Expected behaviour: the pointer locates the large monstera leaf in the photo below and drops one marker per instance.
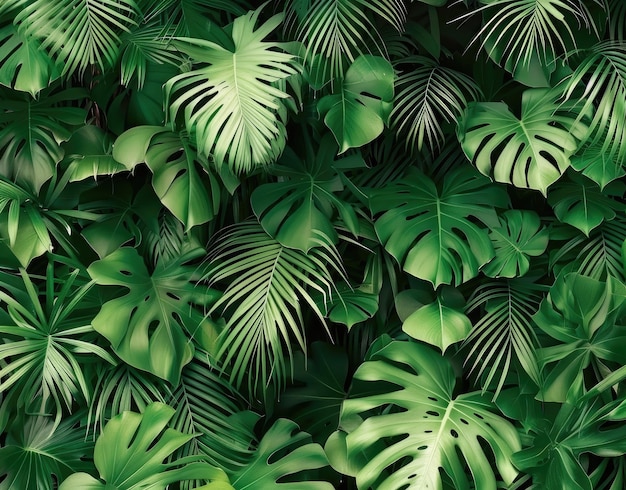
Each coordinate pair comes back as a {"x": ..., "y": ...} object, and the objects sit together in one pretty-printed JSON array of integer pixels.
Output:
[
  {"x": 297, "y": 210},
  {"x": 130, "y": 454},
  {"x": 180, "y": 178},
  {"x": 230, "y": 102},
  {"x": 432, "y": 232},
  {"x": 150, "y": 326},
  {"x": 30, "y": 134},
  {"x": 403, "y": 396},
  {"x": 531, "y": 152},
  {"x": 284, "y": 452}
]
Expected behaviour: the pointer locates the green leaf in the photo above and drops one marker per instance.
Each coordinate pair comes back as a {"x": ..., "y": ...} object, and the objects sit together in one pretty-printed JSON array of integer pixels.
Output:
[
  {"x": 37, "y": 453},
  {"x": 129, "y": 455},
  {"x": 24, "y": 65},
  {"x": 518, "y": 237},
  {"x": 236, "y": 120},
  {"x": 598, "y": 165},
  {"x": 580, "y": 202},
  {"x": 531, "y": 152},
  {"x": 423, "y": 425},
  {"x": 89, "y": 154},
  {"x": 296, "y": 211},
  {"x": 27, "y": 243},
  {"x": 441, "y": 322},
  {"x": 429, "y": 230},
  {"x": 359, "y": 112},
  {"x": 283, "y": 452},
  {"x": 151, "y": 325}
]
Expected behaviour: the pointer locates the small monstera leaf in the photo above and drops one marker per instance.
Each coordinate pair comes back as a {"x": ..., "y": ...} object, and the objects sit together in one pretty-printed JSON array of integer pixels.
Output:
[
  {"x": 432, "y": 232},
  {"x": 151, "y": 326},
  {"x": 130, "y": 454},
  {"x": 24, "y": 66},
  {"x": 180, "y": 178},
  {"x": 600, "y": 166},
  {"x": 360, "y": 110},
  {"x": 283, "y": 452},
  {"x": 31, "y": 132},
  {"x": 437, "y": 319},
  {"x": 580, "y": 202},
  {"x": 89, "y": 154},
  {"x": 297, "y": 210},
  {"x": 531, "y": 152},
  {"x": 518, "y": 237},
  {"x": 37, "y": 452},
  {"x": 403, "y": 396},
  {"x": 236, "y": 119},
  {"x": 581, "y": 313}
]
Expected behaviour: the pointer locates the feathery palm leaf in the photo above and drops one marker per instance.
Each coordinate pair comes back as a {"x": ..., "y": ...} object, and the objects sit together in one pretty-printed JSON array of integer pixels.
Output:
[
  {"x": 335, "y": 32},
  {"x": 428, "y": 96},
  {"x": 230, "y": 102},
  {"x": 617, "y": 19},
  {"x": 79, "y": 33},
  {"x": 268, "y": 285},
  {"x": 603, "y": 73}
]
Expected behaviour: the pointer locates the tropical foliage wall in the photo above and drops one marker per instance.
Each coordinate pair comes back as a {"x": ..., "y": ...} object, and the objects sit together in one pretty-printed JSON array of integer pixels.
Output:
[{"x": 312, "y": 244}]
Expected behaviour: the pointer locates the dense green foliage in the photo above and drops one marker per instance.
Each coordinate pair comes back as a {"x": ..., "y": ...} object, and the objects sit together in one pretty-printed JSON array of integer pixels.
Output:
[{"x": 312, "y": 244}]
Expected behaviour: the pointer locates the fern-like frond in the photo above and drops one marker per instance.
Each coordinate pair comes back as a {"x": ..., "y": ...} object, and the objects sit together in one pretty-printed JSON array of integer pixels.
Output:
[
  {"x": 603, "y": 75},
  {"x": 267, "y": 286},
  {"x": 427, "y": 97},
  {"x": 504, "y": 333},
  {"x": 336, "y": 32},
  {"x": 79, "y": 33}
]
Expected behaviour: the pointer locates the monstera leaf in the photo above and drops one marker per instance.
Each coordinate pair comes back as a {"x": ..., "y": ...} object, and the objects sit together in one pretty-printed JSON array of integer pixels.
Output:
[
  {"x": 582, "y": 314},
  {"x": 531, "y": 152},
  {"x": 518, "y": 237},
  {"x": 295, "y": 210},
  {"x": 24, "y": 65},
  {"x": 180, "y": 178},
  {"x": 598, "y": 165},
  {"x": 30, "y": 134},
  {"x": 580, "y": 202},
  {"x": 150, "y": 326},
  {"x": 236, "y": 120},
  {"x": 432, "y": 232},
  {"x": 130, "y": 454},
  {"x": 37, "y": 452},
  {"x": 89, "y": 154},
  {"x": 438, "y": 319},
  {"x": 284, "y": 452},
  {"x": 402, "y": 395},
  {"x": 360, "y": 110}
]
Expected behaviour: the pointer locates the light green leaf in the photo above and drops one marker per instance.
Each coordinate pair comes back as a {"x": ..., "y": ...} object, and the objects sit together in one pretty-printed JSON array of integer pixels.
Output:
[
  {"x": 404, "y": 395},
  {"x": 359, "y": 112},
  {"x": 429, "y": 231},
  {"x": 441, "y": 322},
  {"x": 129, "y": 455},
  {"x": 236, "y": 119},
  {"x": 151, "y": 325},
  {"x": 518, "y": 237},
  {"x": 531, "y": 152}
]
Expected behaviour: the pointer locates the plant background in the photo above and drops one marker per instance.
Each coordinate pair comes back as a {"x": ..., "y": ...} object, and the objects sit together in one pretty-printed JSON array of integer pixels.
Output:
[{"x": 312, "y": 244}]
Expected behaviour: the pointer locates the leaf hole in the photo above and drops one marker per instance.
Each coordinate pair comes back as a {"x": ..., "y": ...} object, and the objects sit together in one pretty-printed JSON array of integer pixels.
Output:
[
  {"x": 421, "y": 448},
  {"x": 454, "y": 433},
  {"x": 433, "y": 413}
]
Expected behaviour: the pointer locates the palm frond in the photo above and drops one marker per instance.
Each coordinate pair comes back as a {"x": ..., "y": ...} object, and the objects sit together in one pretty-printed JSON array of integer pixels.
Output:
[
  {"x": 427, "y": 97},
  {"x": 617, "y": 19},
  {"x": 267, "y": 286},
  {"x": 336, "y": 32},
  {"x": 79, "y": 33}
]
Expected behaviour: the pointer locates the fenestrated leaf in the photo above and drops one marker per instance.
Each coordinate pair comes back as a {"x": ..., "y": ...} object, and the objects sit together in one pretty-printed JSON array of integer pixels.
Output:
[
  {"x": 358, "y": 113},
  {"x": 150, "y": 326},
  {"x": 236, "y": 119},
  {"x": 414, "y": 412},
  {"x": 580, "y": 202},
  {"x": 518, "y": 237},
  {"x": 296, "y": 211},
  {"x": 284, "y": 451},
  {"x": 89, "y": 152},
  {"x": 597, "y": 164},
  {"x": 438, "y": 320},
  {"x": 531, "y": 152},
  {"x": 24, "y": 66},
  {"x": 130, "y": 454},
  {"x": 30, "y": 134},
  {"x": 429, "y": 231}
]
